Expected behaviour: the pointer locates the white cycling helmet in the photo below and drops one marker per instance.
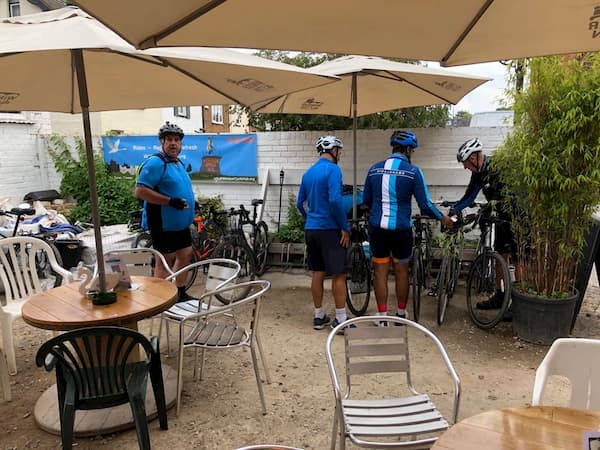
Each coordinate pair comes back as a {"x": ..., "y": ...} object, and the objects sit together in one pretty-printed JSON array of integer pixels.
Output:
[
  {"x": 327, "y": 143},
  {"x": 468, "y": 148}
]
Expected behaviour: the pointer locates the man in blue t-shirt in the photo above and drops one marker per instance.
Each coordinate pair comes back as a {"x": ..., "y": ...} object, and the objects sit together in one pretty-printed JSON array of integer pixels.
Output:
[
  {"x": 166, "y": 189},
  {"x": 327, "y": 230},
  {"x": 389, "y": 188}
]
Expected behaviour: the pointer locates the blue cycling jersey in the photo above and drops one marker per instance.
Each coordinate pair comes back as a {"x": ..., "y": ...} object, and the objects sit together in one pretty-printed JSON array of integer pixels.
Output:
[
  {"x": 389, "y": 188},
  {"x": 321, "y": 189},
  {"x": 172, "y": 181}
]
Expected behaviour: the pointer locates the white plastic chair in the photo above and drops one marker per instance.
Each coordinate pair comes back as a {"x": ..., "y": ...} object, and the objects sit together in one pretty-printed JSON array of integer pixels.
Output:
[
  {"x": 217, "y": 272},
  {"x": 387, "y": 419},
  {"x": 4, "y": 380},
  {"x": 579, "y": 361},
  {"x": 226, "y": 327},
  {"x": 20, "y": 278}
]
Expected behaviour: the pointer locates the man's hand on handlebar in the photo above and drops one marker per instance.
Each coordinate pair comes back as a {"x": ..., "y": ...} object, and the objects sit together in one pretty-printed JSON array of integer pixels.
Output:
[{"x": 447, "y": 222}]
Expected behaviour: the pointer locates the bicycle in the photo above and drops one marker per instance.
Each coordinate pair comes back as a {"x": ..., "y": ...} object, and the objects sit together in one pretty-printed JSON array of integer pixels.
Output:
[
  {"x": 42, "y": 264},
  {"x": 489, "y": 272},
  {"x": 234, "y": 245},
  {"x": 420, "y": 263},
  {"x": 359, "y": 275},
  {"x": 207, "y": 229},
  {"x": 258, "y": 236},
  {"x": 450, "y": 266}
]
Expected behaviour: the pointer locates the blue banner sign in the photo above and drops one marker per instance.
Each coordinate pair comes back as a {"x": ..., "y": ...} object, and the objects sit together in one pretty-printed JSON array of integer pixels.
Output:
[{"x": 212, "y": 158}]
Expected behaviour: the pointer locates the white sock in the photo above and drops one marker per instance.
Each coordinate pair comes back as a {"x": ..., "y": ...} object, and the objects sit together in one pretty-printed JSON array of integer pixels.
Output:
[
  {"x": 319, "y": 313},
  {"x": 401, "y": 312},
  {"x": 340, "y": 315},
  {"x": 384, "y": 313}
]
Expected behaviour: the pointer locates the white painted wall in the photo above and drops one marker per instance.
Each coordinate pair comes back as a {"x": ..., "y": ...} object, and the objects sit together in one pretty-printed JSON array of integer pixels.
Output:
[
  {"x": 25, "y": 165},
  {"x": 294, "y": 152}
]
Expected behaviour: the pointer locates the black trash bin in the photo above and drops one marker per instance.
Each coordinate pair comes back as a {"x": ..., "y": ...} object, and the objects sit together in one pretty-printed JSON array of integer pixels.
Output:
[
  {"x": 589, "y": 256},
  {"x": 70, "y": 251}
]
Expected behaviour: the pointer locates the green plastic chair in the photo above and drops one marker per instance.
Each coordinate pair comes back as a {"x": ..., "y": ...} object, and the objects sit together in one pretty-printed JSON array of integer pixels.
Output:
[{"x": 94, "y": 371}]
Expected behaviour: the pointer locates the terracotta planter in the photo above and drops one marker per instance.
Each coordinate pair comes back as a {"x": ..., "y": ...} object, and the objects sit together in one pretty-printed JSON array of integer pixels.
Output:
[{"x": 542, "y": 320}]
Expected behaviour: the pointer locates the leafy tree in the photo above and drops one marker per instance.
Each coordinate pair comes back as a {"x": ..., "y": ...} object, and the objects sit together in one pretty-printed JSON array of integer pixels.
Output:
[
  {"x": 418, "y": 117},
  {"x": 462, "y": 119},
  {"x": 115, "y": 195}
]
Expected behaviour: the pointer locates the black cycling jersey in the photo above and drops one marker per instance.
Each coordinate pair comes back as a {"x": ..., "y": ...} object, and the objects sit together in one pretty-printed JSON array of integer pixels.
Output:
[{"x": 485, "y": 180}]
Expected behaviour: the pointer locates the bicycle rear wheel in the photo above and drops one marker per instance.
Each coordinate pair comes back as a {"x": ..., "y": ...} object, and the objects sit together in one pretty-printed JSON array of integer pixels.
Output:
[
  {"x": 442, "y": 285},
  {"x": 244, "y": 256},
  {"x": 358, "y": 280},
  {"x": 47, "y": 275},
  {"x": 481, "y": 286},
  {"x": 261, "y": 244},
  {"x": 416, "y": 280},
  {"x": 142, "y": 240}
]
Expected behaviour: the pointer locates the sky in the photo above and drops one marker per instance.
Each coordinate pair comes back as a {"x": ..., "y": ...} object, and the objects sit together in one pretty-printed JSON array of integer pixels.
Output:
[{"x": 486, "y": 97}]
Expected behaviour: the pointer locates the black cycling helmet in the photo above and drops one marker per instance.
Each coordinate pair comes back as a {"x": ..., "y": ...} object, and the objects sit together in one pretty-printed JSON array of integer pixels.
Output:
[
  {"x": 404, "y": 138},
  {"x": 170, "y": 128}
]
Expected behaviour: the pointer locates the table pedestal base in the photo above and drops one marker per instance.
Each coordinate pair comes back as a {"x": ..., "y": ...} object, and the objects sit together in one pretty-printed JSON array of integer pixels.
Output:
[{"x": 101, "y": 421}]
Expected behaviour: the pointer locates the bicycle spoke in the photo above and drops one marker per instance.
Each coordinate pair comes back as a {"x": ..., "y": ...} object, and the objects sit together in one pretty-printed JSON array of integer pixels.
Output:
[{"x": 442, "y": 285}]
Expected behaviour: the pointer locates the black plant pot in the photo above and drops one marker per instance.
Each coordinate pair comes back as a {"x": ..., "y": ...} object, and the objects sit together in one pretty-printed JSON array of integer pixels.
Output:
[{"x": 542, "y": 320}]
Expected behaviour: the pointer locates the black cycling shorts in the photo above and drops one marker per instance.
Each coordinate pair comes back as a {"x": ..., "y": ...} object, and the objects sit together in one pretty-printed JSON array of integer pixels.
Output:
[
  {"x": 171, "y": 241},
  {"x": 397, "y": 243},
  {"x": 324, "y": 251}
]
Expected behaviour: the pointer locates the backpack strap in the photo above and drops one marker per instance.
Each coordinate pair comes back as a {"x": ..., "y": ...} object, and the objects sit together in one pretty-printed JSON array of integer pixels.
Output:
[{"x": 165, "y": 161}]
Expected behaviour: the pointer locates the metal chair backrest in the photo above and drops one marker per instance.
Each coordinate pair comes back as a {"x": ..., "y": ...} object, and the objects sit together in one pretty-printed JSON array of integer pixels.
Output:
[
  {"x": 139, "y": 261},
  {"x": 578, "y": 360}
]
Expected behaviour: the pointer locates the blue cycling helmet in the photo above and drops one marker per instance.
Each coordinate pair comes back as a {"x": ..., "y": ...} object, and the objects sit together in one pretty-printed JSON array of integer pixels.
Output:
[{"x": 404, "y": 138}]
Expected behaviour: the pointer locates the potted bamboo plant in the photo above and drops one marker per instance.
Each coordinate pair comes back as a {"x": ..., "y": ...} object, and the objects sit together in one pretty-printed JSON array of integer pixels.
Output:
[{"x": 551, "y": 166}]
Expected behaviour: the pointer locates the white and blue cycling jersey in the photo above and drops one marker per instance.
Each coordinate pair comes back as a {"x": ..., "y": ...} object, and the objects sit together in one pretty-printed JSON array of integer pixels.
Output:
[{"x": 389, "y": 188}]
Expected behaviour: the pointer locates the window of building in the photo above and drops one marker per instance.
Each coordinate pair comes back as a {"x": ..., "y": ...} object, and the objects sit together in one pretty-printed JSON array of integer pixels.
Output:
[
  {"x": 216, "y": 113},
  {"x": 182, "y": 111},
  {"x": 14, "y": 8}
]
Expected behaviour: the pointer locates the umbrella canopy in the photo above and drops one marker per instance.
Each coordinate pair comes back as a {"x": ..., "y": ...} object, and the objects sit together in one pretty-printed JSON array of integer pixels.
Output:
[
  {"x": 451, "y": 32},
  {"x": 370, "y": 84},
  {"x": 381, "y": 85},
  {"x": 66, "y": 61},
  {"x": 38, "y": 73}
]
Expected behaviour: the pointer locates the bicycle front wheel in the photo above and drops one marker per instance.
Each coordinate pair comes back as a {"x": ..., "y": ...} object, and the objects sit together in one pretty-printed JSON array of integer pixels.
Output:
[
  {"x": 358, "y": 280},
  {"x": 487, "y": 271},
  {"x": 442, "y": 286},
  {"x": 261, "y": 244},
  {"x": 244, "y": 256},
  {"x": 417, "y": 280}
]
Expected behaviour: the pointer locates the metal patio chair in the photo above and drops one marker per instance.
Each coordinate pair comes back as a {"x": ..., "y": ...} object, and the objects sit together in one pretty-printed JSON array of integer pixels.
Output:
[{"x": 388, "y": 419}]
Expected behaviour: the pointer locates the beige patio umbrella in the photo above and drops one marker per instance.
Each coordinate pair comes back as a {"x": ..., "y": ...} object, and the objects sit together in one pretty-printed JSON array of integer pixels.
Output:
[
  {"x": 452, "y": 32},
  {"x": 66, "y": 61},
  {"x": 370, "y": 84}
]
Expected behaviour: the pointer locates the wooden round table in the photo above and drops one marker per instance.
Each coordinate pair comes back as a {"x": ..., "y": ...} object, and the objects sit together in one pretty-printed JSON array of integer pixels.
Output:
[
  {"x": 64, "y": 308},
  {"x": 534, "y": 427}
]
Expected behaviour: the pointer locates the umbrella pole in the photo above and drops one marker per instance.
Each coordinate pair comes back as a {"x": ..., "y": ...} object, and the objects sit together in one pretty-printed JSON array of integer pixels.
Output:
[
  {"x": 354, "y": 127},
  {"x": 87, "y": 133}
]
